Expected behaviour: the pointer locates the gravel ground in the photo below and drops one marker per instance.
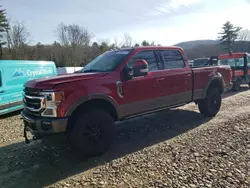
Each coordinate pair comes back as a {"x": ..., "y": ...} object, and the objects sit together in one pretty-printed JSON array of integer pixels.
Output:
[{"x": 176, "y": 148}]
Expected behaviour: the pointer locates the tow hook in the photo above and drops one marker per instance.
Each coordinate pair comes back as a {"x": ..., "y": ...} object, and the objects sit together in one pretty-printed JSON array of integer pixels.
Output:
[
  {"x": 37, "y": 137},
  {"x": 25, "y": 135}
]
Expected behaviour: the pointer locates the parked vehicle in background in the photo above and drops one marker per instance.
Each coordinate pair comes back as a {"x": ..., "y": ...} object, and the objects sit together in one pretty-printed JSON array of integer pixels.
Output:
[
  {"x": 240, "y": 64},
  {"x": 200, "y": 62},
  {"x": 13, "y": 75},
  {"x": 117, "y": 85},
  {"x": 213, "y": 61},
  {"x": 191, "y": 63}
]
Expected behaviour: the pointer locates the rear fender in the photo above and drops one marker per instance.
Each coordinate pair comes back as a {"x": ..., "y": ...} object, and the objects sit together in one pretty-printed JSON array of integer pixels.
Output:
[{"x": 218, "y": 81}]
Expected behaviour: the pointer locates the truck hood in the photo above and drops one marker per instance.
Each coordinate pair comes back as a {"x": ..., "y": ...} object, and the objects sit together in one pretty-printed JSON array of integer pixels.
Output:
[{"x": 50, "y": 82}]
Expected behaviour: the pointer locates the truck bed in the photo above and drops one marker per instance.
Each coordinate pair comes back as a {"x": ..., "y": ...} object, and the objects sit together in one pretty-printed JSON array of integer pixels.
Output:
[{"x": 202, "y": 75}]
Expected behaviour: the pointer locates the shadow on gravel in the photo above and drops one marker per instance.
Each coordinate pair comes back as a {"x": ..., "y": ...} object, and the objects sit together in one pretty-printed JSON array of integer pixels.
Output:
[
  {"x": 232, "y": 93},
  {"x": 10, "y": 114},
  {"x": 36, "y": 165}
]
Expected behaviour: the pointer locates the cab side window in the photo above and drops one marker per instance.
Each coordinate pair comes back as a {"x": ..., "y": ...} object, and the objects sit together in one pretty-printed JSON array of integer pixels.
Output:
[
  {"x": 172, "y": 59},
  {"x": 149, "y": 56}
]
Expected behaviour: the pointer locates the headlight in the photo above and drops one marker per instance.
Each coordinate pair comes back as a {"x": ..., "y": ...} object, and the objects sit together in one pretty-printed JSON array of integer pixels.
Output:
[
  {"x": 53, "y": 96},
  {"x": 52, "y": 100}
]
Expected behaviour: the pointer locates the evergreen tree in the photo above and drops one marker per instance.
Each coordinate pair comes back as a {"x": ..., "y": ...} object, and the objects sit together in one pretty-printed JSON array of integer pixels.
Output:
[
  {"x": 4, "y": 26},
  {"x": 145, "y": 43},
  {"x": 228, "y": 35},
  {"x": 137, "y": 45}
]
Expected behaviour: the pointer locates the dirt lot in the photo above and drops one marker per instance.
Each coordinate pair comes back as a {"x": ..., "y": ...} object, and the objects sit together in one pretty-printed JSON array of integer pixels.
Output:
[{"x": 176, "y": 148}]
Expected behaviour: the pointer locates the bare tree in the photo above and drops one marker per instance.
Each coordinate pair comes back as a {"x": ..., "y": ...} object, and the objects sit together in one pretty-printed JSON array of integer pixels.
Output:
[
  {"x": 75, "y": 41},
  {"x": 73, "y": 35},
  {"x": 17, "y": 38},
  {"x": 117, "y": 43},
  {"x": 244, "y": 35},
  {"x": 127, "y": 40}
]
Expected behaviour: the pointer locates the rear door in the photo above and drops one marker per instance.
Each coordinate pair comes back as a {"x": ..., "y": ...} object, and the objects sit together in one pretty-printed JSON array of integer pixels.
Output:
[{"x": 177, "y": 84}]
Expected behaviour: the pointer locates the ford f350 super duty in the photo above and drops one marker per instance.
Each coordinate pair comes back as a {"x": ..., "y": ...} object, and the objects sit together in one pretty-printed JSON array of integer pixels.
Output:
[{"x": 116, "y": 85}]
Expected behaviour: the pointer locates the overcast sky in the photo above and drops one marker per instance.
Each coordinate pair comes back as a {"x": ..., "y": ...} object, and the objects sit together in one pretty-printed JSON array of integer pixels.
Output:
[{"x": 166, "y": 22}]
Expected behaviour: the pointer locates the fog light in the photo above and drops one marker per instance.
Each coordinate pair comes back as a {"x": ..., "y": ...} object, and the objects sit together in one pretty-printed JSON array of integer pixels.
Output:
[{"x": 49, "y": 112}]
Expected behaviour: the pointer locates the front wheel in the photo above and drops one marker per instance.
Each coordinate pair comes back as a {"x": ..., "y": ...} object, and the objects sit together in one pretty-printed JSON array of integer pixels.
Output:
[
  {"x": 92, "y": 133},
  {"x": 210, "y": 106}
]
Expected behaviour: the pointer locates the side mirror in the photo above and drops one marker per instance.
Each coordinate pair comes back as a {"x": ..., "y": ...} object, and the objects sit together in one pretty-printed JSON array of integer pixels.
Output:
[{"x": 140, "y": 68}]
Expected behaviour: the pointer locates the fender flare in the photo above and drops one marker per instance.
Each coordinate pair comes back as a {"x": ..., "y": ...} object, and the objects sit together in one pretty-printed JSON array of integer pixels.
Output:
[
  {"x": 217, "y": 78},
  {"x": 85, "y": 99}
]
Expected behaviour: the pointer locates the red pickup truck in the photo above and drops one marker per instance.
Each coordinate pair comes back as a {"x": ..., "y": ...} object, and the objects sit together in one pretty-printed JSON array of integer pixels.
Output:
[{"x": 116, "y": 85}]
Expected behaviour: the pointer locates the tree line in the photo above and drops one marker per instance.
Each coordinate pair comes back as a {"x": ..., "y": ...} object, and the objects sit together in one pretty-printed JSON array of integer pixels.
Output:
[{"x": 75, "y": 46}]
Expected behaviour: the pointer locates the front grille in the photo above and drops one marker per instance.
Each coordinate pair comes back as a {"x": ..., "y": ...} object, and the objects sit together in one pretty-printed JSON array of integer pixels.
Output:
[
  {"x": 32, "y": 103},
  {"x": 31, "y": 91},
  {"x": 32, "y": 100}
]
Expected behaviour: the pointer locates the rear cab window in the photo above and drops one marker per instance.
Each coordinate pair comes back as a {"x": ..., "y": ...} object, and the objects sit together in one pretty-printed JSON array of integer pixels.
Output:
[{"x": 172, "y": 59}]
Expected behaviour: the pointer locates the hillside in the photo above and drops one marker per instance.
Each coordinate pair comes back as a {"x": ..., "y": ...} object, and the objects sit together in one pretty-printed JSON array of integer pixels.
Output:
[
  {"x": 196, "y": 43},
  {"x": 207, "y": 48}
]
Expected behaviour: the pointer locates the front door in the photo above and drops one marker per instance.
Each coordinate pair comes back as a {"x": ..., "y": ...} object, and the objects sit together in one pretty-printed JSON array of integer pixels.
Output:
[{"x": 142, "y": 94}]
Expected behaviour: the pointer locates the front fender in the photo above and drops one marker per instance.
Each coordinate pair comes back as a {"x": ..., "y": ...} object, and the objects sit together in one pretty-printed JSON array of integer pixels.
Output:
[{"x": 85, "y": 99}]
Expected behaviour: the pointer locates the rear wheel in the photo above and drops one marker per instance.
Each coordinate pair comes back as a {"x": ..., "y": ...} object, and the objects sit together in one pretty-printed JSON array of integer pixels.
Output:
[
  {"x": 210, "y": 106},
  {"x": 92, "y": 133}
]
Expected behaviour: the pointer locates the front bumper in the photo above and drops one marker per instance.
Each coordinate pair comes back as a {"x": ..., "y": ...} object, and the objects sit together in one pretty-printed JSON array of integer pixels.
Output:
[{"x": 41, "y": 126}]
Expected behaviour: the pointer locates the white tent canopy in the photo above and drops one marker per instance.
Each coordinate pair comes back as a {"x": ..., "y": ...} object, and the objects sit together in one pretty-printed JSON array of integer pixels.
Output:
[{"x": 67, "y": 70}]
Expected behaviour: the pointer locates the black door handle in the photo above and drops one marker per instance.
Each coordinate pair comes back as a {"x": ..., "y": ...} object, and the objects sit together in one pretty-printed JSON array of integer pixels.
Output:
[{"x": 2, "y": 91}]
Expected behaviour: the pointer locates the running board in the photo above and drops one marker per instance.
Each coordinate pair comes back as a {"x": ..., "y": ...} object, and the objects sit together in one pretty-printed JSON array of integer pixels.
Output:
[{"x": 153, "y": 111}]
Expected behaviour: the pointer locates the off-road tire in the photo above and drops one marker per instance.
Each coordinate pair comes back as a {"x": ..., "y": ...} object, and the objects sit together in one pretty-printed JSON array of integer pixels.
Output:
[
  {"x": 210, "y": 106},
  {"x": 92, "y": 134}
]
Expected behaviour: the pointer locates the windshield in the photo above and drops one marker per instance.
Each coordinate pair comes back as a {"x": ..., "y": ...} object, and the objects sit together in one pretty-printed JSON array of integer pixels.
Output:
[
  {"x": 233, "y": 62},
  {"x": 107, "y": 61}
]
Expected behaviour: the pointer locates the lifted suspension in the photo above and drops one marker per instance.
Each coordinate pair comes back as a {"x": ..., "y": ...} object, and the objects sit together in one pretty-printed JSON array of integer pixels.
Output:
[
  {"x": 25, "y": 135},
  {"x": 37, "y": 137},
  {"x": 27, "y": 141}
]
